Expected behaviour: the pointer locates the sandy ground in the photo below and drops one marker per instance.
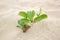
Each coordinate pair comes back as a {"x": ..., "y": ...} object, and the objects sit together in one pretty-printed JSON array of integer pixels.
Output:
[{"x": 48, "y": 29}]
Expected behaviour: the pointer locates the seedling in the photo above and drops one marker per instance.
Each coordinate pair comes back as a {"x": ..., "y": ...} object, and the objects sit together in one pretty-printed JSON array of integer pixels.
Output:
[{"x": 29, "y": 18}]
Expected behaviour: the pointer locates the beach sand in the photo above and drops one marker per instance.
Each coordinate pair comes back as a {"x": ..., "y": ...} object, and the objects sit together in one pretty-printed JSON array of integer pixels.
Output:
[{"x": 48, "y": 29}]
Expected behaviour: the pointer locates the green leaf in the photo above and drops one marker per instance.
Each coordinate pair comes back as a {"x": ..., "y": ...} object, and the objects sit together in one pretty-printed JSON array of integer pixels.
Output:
[
  {"x": 22, "y": 22},
  {"x": 25, "y": 20},
  {"x": 30, "y": 14},
  {"x": 41, "y": 17},
  {"x": 18, "y": 26},
  {"x": 23, "y": 14}
]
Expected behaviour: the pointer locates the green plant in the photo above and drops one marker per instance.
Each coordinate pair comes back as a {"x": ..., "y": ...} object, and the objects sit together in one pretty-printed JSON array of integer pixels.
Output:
[{"x": 30, "y": 17}]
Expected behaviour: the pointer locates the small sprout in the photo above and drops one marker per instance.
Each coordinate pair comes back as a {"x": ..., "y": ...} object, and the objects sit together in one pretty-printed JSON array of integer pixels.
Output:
[
  {"x": 29, "y": 18},
  {"x": 40, "y": 12}
]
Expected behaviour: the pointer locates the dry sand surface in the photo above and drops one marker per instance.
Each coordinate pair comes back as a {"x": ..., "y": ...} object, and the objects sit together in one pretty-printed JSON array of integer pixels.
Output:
[{"x": 48, "y": 29}]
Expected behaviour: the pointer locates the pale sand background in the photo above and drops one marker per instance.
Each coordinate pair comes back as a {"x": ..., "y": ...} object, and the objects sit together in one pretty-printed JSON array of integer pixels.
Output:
[{"x": 48, "y": 29}]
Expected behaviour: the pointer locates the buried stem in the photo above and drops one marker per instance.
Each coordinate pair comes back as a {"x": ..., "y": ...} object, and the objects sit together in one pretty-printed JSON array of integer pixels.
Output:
[{"x": 26, "y": 27}]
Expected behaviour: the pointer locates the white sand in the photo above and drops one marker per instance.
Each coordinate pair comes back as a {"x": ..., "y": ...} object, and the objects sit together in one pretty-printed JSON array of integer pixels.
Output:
[{"x": 48, "y": 29}]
